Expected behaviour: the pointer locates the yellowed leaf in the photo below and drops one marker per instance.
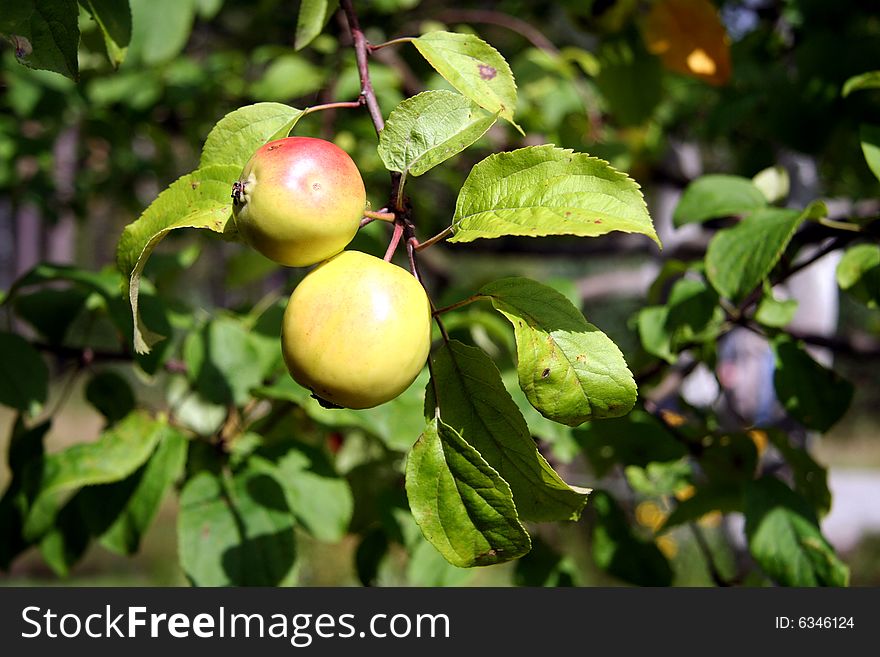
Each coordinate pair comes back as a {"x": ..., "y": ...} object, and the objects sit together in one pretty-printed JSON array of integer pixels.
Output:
[{"x": 689, "y": 38}]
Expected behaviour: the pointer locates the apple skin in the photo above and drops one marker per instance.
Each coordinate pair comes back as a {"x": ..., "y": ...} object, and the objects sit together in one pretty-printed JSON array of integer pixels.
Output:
[
  {"x": 357, "y": 330},
  {"x": 299, "y": 200}
]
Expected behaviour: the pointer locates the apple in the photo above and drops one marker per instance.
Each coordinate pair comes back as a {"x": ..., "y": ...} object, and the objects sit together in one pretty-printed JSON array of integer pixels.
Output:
[
  {"x": 299, "y": 200},
  {"x": 356, "y": 330}
]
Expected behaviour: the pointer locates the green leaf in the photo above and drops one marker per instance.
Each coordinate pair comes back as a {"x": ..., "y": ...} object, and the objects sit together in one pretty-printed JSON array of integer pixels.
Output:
[
  {"x": 118, "y": 453},
  {"x": 724, "y": 498},
  {"x": 24, "y": 377},
  {"x": 462, "y": 505},
  {"x": 773, "y": 312},
  {"x": 717, "y": 195},
  {"x": 739, "y": 258},
  {"x": 160, "y": 29},
  {"x": 657, "y": 479},
  {"x": 618, "y": 552},
  {"x": 224, "y": 361},
  {"x": 320, "y": 499},
  {"x": 25, "y": 449},
  {"x": 570, "y": 371},
  {"x": 544, "y": 190},
  {"x": 44, "y": 34},
  {"x": 235, "y": 137},
  {"x": 114, "y": 20},
  {"x": 150, "y": 484},
  {"x": 474, "y": 68},
  {"x": 396, "y": 423},
  {"x": 288, "y": 76},
  {"x": 811, "y": 393},
  {"x": 313, "y": 16},
  {"x": 429, "y": 128},
  {"x": 543, "y": 566},
  {"x": 691, "y": 315},
  {"x": 869, "y": 80},
  {"x": 51, "y": 311},
  {"x": 110, "y": 393},
  {"x": 773, "y": 182},
  {"x": 637, "y": 439},
  {"x": 200, "y": 199},
  {"x": 67, "y": 540},
  {"x": 870, "y": 138},
  {"x": 474, "y": 402},
  {"x": 630, "y": 80},
  {"x": 427, "y": 567},
  {"x": 784, "y": 537},
  {"x": 235, "y": 530},
  {"x": 810, "y": 478},
  {"x": 858, "y": 273}
]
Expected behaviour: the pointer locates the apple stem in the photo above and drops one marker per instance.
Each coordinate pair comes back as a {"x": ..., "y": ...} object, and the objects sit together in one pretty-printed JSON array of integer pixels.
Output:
[
  {"x": 395, "y": 240},
  {"x": 411, "y": 254}
]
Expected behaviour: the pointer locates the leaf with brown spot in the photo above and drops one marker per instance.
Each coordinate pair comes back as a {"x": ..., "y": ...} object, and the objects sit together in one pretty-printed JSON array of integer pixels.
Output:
[
  {"x": 554, "y": 371},
  {"x": 474, "y": 68}
]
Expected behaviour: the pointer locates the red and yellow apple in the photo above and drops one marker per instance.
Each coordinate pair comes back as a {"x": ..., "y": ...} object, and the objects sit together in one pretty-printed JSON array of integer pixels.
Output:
[{"x": 299, "y": 200}]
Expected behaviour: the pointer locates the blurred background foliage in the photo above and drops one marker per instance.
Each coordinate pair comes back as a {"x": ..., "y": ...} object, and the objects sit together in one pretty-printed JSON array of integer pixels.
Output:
[{"x": 80, "y": 160}]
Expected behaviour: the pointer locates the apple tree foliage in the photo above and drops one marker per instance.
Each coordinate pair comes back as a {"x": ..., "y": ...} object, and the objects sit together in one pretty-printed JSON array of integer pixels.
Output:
[{"x": 532, "y": 417}]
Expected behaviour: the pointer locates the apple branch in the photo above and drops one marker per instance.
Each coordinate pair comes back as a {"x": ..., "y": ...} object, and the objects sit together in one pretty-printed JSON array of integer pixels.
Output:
[{"x": 360, "y": 51}]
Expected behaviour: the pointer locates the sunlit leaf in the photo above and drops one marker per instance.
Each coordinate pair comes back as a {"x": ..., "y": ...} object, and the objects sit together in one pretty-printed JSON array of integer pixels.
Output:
[
  {"x": 201, "y": 199},
  {"x": 474, "y": 402},
  {"x": 429, "y": 128},
  {"x": 473, "y": 67},
  {"x": 570, "y": 371},
  {"x": 717, "y": 195},
  {"x": 544, "y": 190},
  {"x": 464, "y": 508},
  {"x": 237, "y": 135}
]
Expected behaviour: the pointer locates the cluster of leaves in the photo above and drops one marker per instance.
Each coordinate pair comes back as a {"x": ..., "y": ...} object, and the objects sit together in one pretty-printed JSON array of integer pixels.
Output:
[{"x": 256, "y": 459}]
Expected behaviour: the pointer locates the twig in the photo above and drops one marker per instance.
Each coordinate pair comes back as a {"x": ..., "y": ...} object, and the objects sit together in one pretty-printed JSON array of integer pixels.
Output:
[{"x": 360, "y": 50}]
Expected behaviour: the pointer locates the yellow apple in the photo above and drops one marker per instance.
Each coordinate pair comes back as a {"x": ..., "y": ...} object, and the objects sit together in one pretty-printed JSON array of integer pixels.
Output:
[
  {"x": 357, "y": 330},
  {"x": 299, "y": 200}
]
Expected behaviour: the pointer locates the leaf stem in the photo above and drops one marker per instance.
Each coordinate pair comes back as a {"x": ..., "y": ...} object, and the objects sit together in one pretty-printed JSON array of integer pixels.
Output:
[
  {"x": 457, "y": 305},
  {"x": 378, "y": 46},
  {"x": 338, "y": 105},
  {"x": 840, "y": 225},
  {"x": 446, "y": 232}
]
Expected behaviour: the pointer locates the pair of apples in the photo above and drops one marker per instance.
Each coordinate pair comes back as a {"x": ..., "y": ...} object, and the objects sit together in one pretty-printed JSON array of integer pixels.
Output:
[{"x": 357, "y": 329}]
